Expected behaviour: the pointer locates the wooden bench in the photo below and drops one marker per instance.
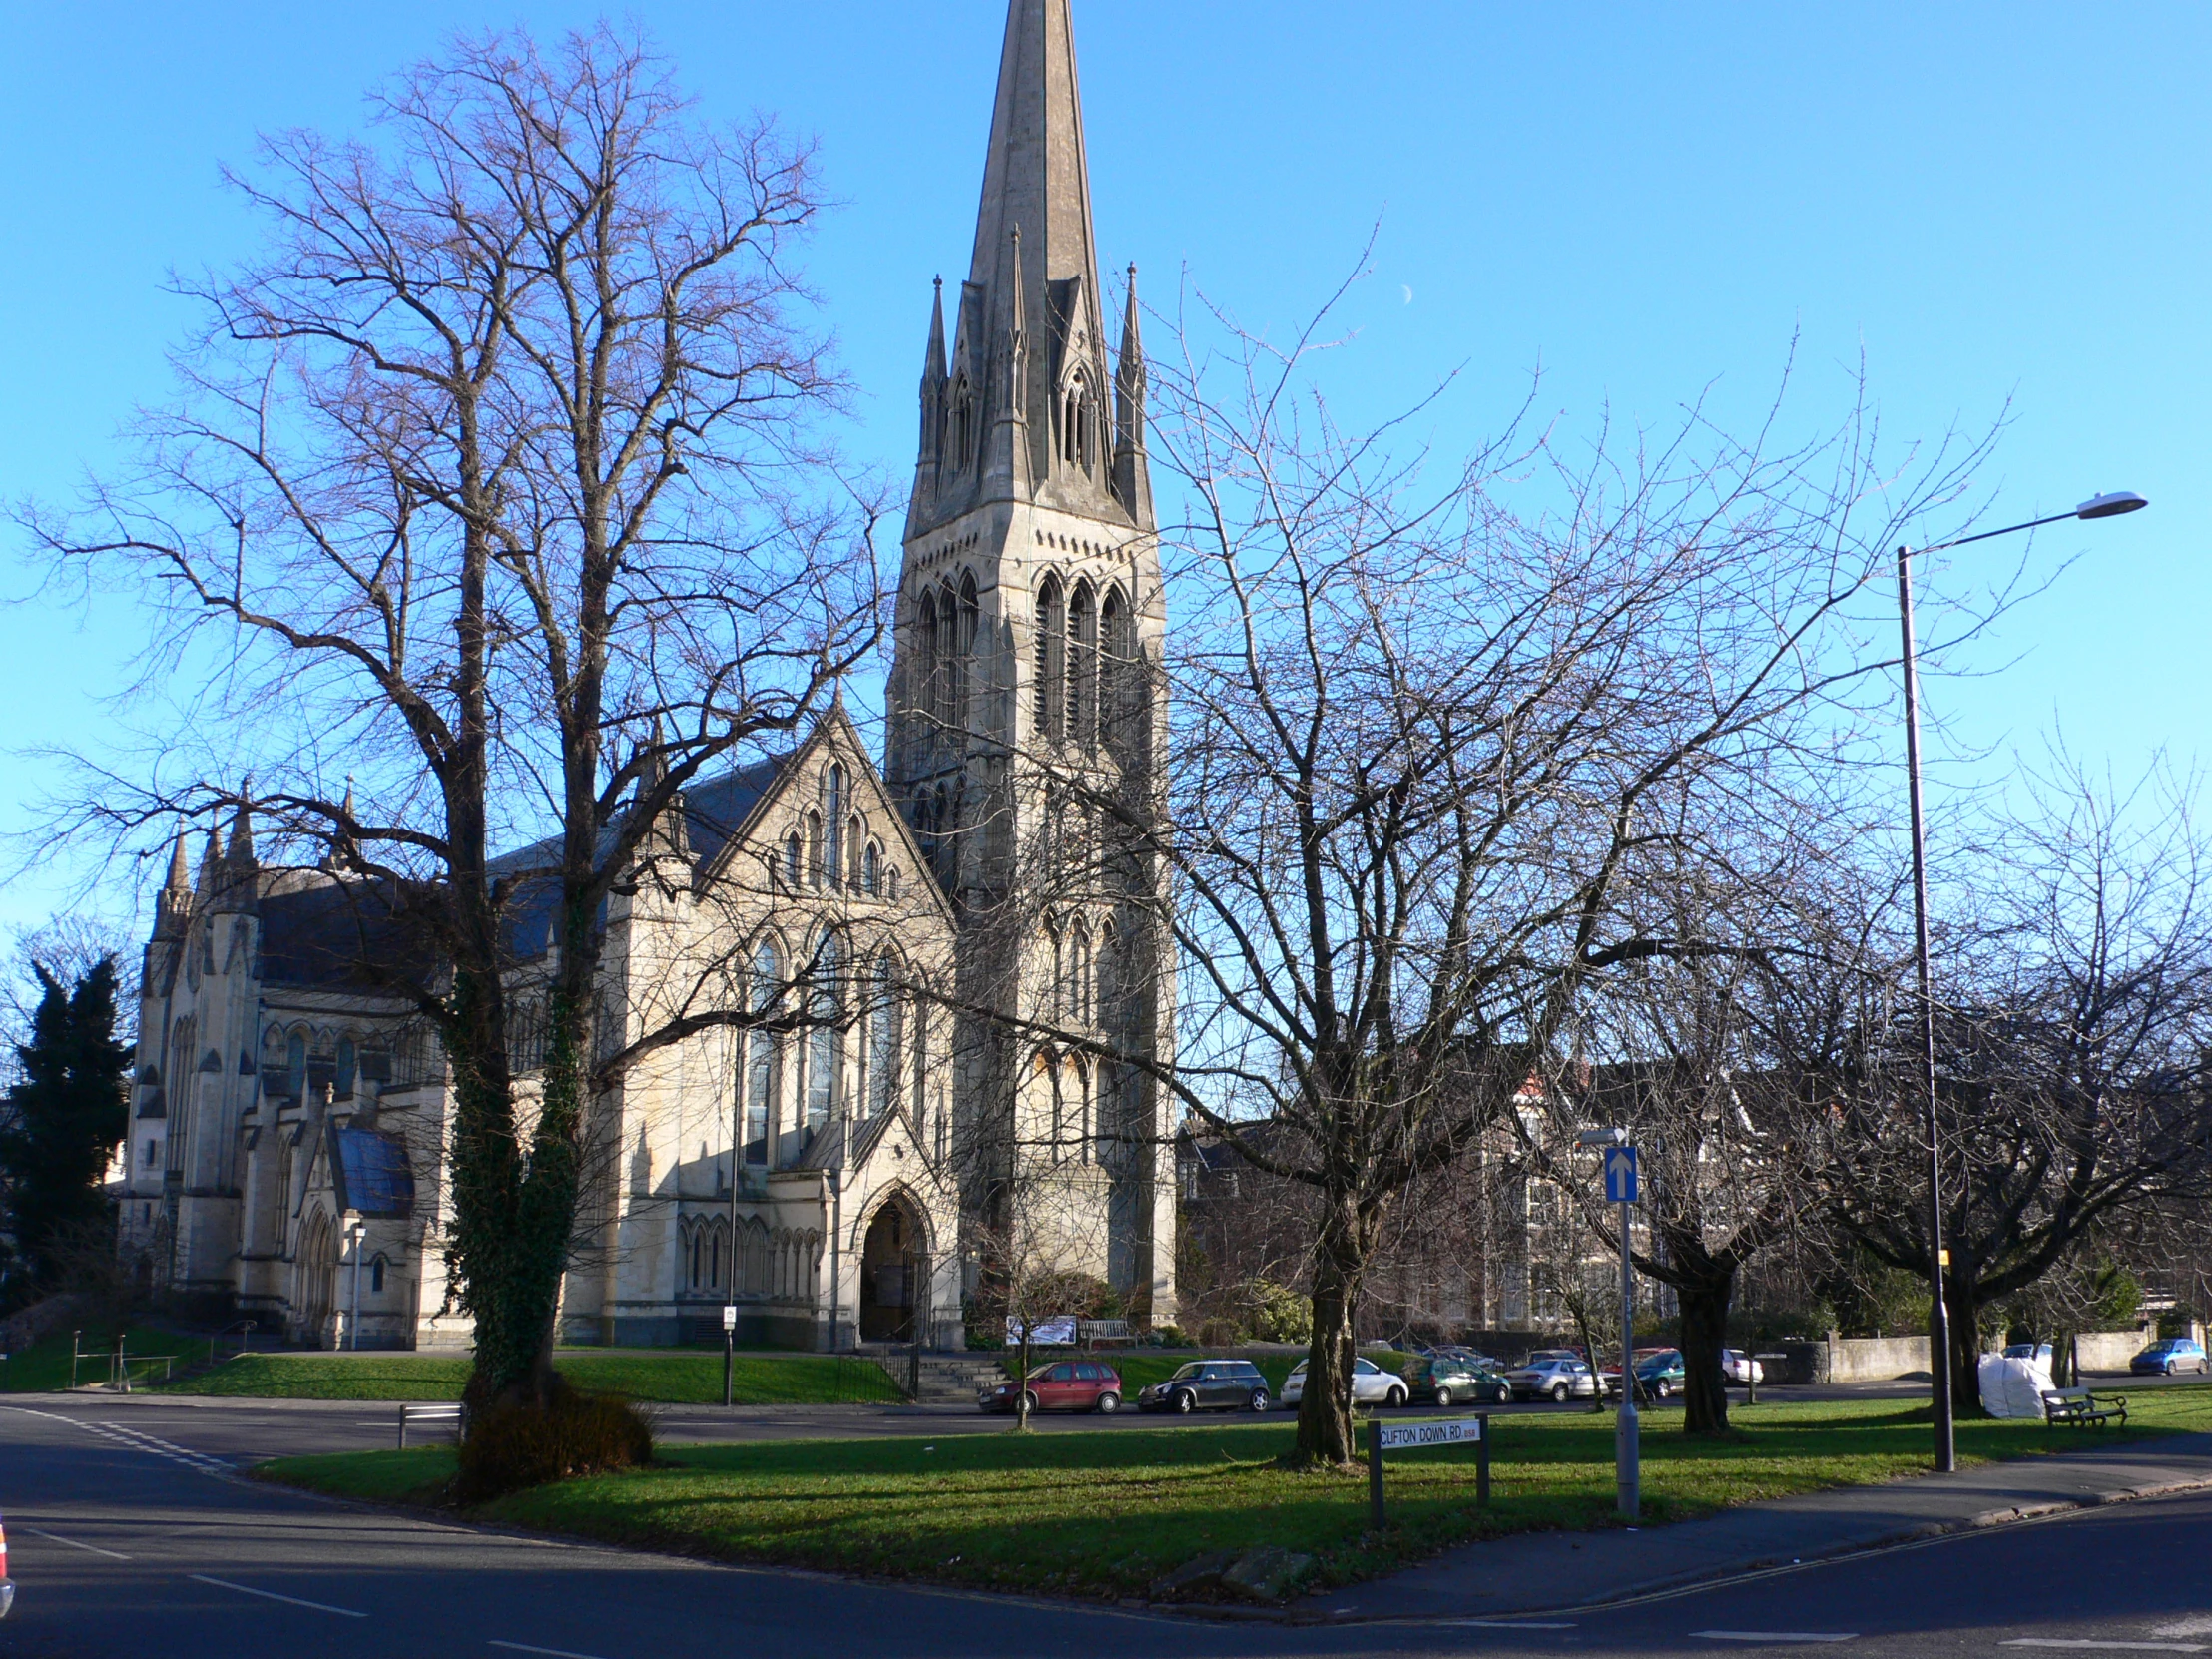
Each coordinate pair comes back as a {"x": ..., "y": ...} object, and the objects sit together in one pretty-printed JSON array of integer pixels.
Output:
[
  {"x": 2080, "y": 1408},
  {"x": 1092, "y": 1332}
]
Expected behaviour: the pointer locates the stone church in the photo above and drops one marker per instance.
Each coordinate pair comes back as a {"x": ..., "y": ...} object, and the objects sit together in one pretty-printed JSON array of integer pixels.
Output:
[{"x": 856, "y": 1178}]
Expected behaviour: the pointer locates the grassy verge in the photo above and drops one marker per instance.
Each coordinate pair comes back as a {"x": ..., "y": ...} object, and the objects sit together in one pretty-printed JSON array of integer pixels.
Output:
[
  {"x": 44, "y": 1367},
  {"x": 666, "y": 1376},
  {"x": 1105, "y": 1514}
]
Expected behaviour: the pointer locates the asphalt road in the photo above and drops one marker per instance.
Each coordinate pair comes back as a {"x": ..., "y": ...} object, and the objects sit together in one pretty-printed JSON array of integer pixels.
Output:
[{"x": 126, "y": 1541}]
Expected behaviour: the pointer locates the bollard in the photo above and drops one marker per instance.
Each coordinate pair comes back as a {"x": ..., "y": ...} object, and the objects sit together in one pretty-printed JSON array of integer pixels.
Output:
[
  {"x": 1482, "y": 1462},
  {"x": 1374, "y": 1472}
]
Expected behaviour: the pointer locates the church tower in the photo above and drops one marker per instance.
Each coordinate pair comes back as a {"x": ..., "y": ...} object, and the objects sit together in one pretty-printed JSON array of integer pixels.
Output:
[{"x": 1022, "y": 702}]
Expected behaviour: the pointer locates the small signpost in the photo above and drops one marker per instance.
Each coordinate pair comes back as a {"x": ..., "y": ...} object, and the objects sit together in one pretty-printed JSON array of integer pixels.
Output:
[
  {"x": 1411, "y": 1436},
  {"x": 1621, "y": 1186},
  {"x": 728, "y": 1345}
]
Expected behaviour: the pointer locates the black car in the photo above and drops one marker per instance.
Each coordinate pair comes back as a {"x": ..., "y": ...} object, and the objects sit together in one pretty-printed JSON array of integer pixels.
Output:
[{"x": 1209, "y": 1386}]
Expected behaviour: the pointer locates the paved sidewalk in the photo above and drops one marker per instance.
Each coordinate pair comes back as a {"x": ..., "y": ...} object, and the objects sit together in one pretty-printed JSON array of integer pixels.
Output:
[{"x": 1534, "y": 1572}]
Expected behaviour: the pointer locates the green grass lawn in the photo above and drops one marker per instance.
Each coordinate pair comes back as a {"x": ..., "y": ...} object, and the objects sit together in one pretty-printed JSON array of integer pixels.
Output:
[
  {"x": 1104, "y": 1514},
  {"x": 677, "y": 1377},
  {"x": 44, "y": 1367}
]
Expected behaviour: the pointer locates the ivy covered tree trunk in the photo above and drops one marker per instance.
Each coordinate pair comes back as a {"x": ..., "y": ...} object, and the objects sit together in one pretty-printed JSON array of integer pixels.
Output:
[{"x": 1963, "y": 1304}]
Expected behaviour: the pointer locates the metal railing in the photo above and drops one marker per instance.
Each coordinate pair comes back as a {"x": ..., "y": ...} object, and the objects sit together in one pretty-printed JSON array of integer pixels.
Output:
[{"x": 417, "y": 1417}]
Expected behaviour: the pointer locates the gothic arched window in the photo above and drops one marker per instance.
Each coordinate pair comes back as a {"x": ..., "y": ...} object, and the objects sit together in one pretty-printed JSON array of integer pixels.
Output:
[
  {"x": 921, "y": 687},
  {"x": 813, "y": 846},
  {"x": 1051, "y": 657},
  {"x": 295, "y": 1064},
  {"x": 795, "y": 860},
  {"x": 871, "y": 871},
  {"x": 1082, "y": 666},
  {"x": 1079, "y": 975},
  {"x": 825, "y": 1043},
  {"x": 881, "y": 1061},
  {"x": 967, "y": 681},
  {"x": 759, "y": 1081},
  {"x": 963, "y": 424},
  {"x": 832, "y": 850},
  {"x": 348, "y": 1059},
  {"x": 1117, "y": 688}
]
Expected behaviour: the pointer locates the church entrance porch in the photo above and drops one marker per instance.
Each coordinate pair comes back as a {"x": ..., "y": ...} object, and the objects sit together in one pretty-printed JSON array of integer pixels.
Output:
[{"x": 893, "y": 1276}]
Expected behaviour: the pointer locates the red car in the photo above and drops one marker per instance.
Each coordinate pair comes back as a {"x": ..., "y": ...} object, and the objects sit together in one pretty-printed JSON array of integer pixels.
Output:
[{"x": 1062, "y": 1386}]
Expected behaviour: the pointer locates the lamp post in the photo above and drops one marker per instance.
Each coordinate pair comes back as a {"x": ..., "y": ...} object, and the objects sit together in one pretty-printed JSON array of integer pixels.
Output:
[{"x": 1938, "y": 1317}]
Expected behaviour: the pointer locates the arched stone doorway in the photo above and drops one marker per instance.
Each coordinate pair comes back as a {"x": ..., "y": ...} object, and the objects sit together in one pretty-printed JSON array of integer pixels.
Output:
[
  {"x": 317, "y": 1270},
  {"x": 895, "y": 1275}
]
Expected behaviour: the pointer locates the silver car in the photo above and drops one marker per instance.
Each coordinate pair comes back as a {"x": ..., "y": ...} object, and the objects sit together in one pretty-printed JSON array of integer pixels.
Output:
[
  {"x": 1558, "y": 1380},
  {"x": 1370, "y": 1385}
]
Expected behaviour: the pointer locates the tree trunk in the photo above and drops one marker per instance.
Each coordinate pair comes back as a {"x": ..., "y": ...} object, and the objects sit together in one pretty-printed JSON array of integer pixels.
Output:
[
  {"x": 1964, "y": 1311},
  {"x": 1325, "y": 1433},
  {"x": 1705, "y": 1303}
]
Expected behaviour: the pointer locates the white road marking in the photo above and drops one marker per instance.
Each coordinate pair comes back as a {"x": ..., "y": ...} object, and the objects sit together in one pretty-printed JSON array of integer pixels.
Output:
[
  {"x": 2130, "y": 1647},
  {"x": 1505, "y": 1624},
  {"x": 556, "y": 1652},
  {"x": 57, "y": 1538},
  {"x": 2198, "y": 1627},
  {"x": 272, "y": 1595},
  {"x": 1777, "y": 1635}
]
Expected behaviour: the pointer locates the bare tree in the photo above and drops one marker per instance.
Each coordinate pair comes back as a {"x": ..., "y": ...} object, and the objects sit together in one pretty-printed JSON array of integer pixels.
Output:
[
  {"x": 2071, "y": 1044},
  {"x": 1421, "y": 746},
  {"x": 497, "y": 483}
]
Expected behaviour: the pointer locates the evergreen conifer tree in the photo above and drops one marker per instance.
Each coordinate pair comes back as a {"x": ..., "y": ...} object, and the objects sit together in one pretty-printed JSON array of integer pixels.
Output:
[{"x": 65, "y": 1116}]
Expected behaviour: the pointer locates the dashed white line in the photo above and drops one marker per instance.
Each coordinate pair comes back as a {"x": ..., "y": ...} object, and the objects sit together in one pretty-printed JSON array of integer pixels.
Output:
[
  {"x": 1506, "y": 1624},
  {"x": 1775, "y": 1635},
  {"x": 556, "y": 1652},
  {"x": 57, "y": 1538},
  {"x": 2084, "y": 1642},
  {"x": 272, "y": 1595}
]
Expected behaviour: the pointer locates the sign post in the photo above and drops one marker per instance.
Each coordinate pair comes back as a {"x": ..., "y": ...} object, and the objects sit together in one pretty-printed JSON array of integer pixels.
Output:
[
  {"x": 1621, "y": 1184},
  {"x": 728, "y": 1345},
  {"x": 1406, "y": 1436}
]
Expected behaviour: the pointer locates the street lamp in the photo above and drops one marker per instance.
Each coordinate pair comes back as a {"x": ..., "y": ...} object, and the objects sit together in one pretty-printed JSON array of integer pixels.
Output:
[{"x": 2111, "y": 505}]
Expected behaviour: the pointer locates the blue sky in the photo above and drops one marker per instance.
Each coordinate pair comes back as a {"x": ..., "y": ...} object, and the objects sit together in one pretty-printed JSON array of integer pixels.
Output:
[{"x": 1992, "y": 203}]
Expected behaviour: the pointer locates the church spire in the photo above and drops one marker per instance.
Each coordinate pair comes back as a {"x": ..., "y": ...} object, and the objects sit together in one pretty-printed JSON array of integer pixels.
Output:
[
  {"x": 1028, "y": 333},
  {"x": 1132, "y": 476},
  {"x": 174, "y": 906}
]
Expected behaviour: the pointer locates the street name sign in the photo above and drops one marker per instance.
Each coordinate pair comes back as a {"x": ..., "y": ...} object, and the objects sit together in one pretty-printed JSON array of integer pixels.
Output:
[
  {"x": 1405, "y": 1436},
  {"x": 1620, "y": 1175}
]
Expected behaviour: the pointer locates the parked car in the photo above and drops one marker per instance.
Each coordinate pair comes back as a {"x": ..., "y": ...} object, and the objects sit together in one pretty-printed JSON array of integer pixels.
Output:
[
  {"x": 1469, "y": 1356},
  {"x": 1370, "y": 1385},
  {"x": 1209, "y": 1386},
  {"x": 2169, "y": 1355},
  {"x": 1739, "y": 1366},
  {"x": 1559, "y": 1380},
  {"x": 1443, "y": 1378},
  {"x": 1539, "y": 1355},
  {"x": 1063, "y": 1385},
  {"x": 1662, "y": 1374}
]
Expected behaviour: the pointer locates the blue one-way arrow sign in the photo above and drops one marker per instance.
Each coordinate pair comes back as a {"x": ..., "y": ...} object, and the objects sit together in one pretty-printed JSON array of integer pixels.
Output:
[{"x": 1620, "y": 1175}]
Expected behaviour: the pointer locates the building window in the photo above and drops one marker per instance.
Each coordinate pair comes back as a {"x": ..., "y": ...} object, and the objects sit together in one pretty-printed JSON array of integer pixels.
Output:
[
  {"x": 760, "y": 1057},
  {"x": 1082, "y": 666},
  {"x": 295, "y": 1064},
  {"x": 1051, "y": 657},
  {"x": 872, "y": 871},
  {"x": 377, "y": 1276},
  {"x": 153, "y": 1151},
  {"x": 883, "y": 1058},
  {"x": 832, "y": 851},
  {"x": 824, "y": 1044},
  {"x": 348, "y": 1057}
]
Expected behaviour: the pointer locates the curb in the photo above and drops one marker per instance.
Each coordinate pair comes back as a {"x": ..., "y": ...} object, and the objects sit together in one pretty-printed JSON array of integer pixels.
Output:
[{"x": 1708, "y": 1578}]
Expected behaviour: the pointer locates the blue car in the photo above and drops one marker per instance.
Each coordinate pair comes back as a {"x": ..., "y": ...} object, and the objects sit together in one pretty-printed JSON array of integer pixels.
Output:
[{"x": 2169, "y": 1355}]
